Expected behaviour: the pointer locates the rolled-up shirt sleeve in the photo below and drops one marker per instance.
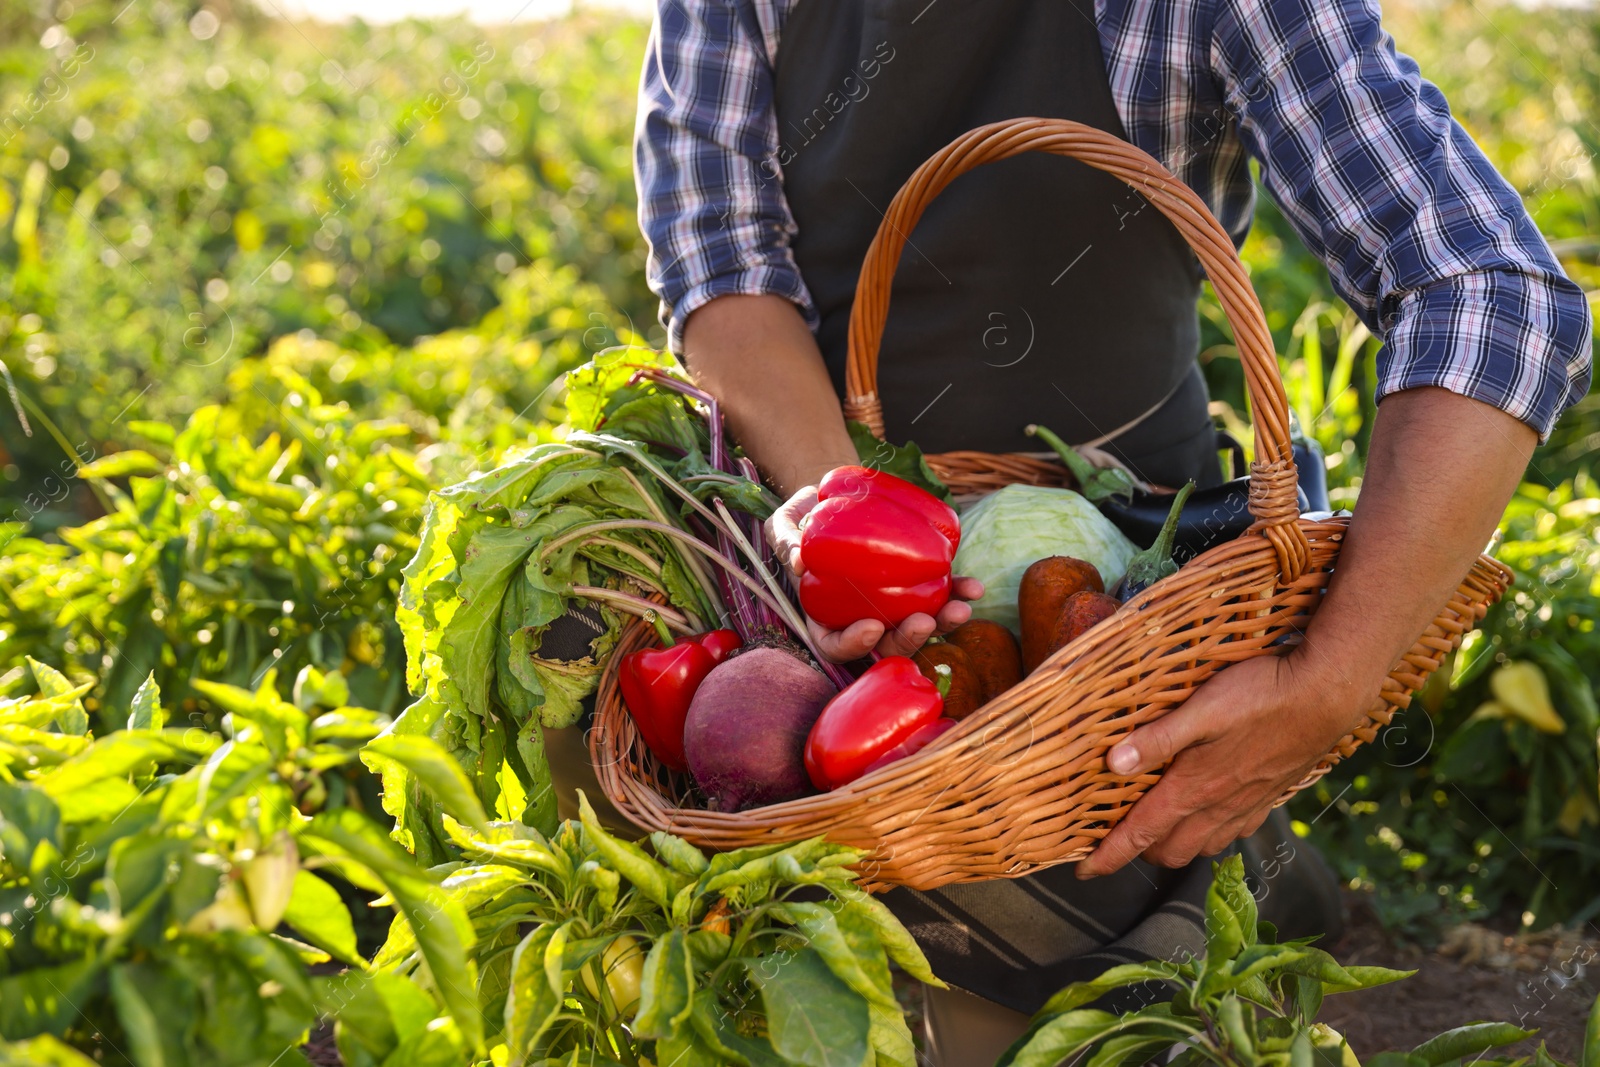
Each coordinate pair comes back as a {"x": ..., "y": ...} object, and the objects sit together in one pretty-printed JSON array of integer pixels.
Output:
[
  {"x": 711, "y": 202},
  {"x": 1426, "y": 242}
]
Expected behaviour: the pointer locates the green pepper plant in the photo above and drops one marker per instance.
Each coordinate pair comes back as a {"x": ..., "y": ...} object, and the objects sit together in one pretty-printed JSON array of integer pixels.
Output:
[
  {"x": 1248, "y": 1001},
  {"x": 163, "y": 890},
  {"x": 1502, "y": 742},
  {"x": 593, "y": 950}
]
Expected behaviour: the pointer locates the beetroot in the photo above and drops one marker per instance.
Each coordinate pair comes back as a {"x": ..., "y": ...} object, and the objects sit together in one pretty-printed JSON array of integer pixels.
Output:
[{"x": 747, "y": 726}]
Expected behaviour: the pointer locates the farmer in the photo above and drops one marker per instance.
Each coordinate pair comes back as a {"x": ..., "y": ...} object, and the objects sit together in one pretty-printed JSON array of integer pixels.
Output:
[{"x": 772, "y": 135}]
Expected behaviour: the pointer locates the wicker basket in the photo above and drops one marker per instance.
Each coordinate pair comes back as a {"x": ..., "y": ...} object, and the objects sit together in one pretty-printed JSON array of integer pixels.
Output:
[{"x": 1022, "y": 783}]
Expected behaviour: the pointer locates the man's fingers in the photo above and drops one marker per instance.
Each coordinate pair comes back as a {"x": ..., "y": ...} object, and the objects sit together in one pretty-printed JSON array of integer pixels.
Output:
[
  {"x": 1196, "y": 835},
  {"x": 952, "y": 615},
  {"x": 1150, "y": 820},
  {"x": 1152, "y": 746},
  {"x": 851, "y": 643},
  {"x": 1233, "y": 831},
  {"x": 966, "y": 589},
  {"x": 910, "y": 635},
  {"x": 783, "y": 528}
]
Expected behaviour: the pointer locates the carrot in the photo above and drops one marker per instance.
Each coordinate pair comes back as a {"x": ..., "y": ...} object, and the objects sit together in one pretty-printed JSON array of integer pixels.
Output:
[
  {"x": 966, "y": 691},
  {"x": 1082, "y": 612},
  {"x": 993, "y": 652},
  {"x": 1046, "y": 585}
]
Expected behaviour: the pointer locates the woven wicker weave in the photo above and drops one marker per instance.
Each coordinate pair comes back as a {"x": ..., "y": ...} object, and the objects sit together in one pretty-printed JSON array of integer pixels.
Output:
[{"x": 1022, "y": 783}]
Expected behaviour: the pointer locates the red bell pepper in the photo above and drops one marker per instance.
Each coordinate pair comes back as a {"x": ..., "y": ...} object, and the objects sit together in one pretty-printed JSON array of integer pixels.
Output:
[
  {"x": 886, "y": 714},
  {"x": 658, "y": 684},
  {"x": 875, "y": 547},
  {"x": 862, "y": 481}
]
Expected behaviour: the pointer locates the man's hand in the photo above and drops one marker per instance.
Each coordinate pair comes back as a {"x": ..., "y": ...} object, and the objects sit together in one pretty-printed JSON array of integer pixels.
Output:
[
  {"x": 860, "y": 638},
  {"x": 1226, "y": 770},
  {"x": 1438, "y": 476}
]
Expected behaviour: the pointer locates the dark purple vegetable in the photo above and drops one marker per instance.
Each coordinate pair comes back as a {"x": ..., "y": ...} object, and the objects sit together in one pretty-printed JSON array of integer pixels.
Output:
[
  {"x": 747, "y": 727},
  {"x": 1155, "y": 562}
]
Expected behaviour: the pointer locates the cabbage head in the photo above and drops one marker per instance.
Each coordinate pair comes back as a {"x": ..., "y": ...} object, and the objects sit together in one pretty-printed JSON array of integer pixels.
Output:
[{"x": 1006, "y": 531}]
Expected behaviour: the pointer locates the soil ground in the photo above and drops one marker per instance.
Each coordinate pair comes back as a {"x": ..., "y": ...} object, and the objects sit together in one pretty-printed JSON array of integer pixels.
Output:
[{"x": 1546, "y": 981}]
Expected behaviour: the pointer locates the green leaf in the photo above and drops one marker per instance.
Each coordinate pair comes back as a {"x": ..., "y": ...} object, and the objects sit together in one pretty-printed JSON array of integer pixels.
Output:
[
  {"x": 1237, "y": 1024},
  {"x": 658, "y": 883},
  {"x": 890, "y": 1037},
  {"x": 438, "y": 924},
  {"x": 44, "y": 999},
  {"x": 511, "y": 842},
  {"x": 1368, "y": 977},
  {"x": 122, "y": 465},
  {"x": 710, "y": 1022},
  {"x": 346, "y": 834},
  {"x": 1241, "y": 973},
  {"x": 679, "y": 854},
  {"x": 903, "y": 461},
  {"x": 374, "y": 1012},
  {"x": 855, "y": 957},
  {"x": 118, "y": 755},
  {"x": 467, "y": 644},
  {"x": 665, "y": 992},
  {"x": 1390, "y": 1059},
  {"x": 532, "y": 1002},
  {"x": 1591, "y": 1037},
  {"x": 138, "y": 864},
  {"x": 1131, "y": 1050},
  {"x": 1230, "y": 913},
  {"x": 813, "y": 1018},
  {"x": 1541, "y": 1058},
  {"x": 317, "y": 913},
  {"x": 595, "y": 389},
  {"x": 138, "y": 1020},
  {"x": 440, "y": 1045},
  {"x": 1078, "y": 994},
  {"x": 754, "y": 866},
  {"x": 52, "y": 682},
  {"x": 1059, "y": 1037},
  {"x": 42, "y": 1051},
  {"x": 896, "y": 939},
  {"x": 146, "y": 712},
  {"x": 54, "y": 686},
  {"x": 28, "y": 817},
  {"x": 1468, "y": 1040},
  {"x": 431, "y": 765},
  {"x": 159, "y": 433},
  {"x": 1307, "y": 993},
  {"x": 444, "y": 934}
]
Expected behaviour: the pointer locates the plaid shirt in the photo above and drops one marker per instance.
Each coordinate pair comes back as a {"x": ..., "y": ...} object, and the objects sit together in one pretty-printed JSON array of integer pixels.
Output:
[{"x": 1429, "y": 245}]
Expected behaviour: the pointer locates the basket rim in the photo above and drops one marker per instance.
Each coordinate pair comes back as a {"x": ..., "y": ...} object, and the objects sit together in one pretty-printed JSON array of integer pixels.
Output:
[{"x": 1249, "y": 550}]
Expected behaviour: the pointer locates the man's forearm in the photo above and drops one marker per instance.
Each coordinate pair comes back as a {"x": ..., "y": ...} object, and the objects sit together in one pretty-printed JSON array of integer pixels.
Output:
[
  {"x": 756, "y": 356},
  {"x": 1439, "y": 473}
]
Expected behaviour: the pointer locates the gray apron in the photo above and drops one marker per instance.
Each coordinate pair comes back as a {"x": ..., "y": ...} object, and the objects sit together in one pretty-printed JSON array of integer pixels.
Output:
[{"x": 1035, "y": 289}]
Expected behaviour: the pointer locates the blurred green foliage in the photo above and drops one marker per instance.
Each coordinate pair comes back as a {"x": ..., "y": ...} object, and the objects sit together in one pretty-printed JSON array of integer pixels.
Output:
[
  {"x": 382, "y": 246},
  {"x": 1463, "y": 808},
  {"x": 176, "y": 190}
]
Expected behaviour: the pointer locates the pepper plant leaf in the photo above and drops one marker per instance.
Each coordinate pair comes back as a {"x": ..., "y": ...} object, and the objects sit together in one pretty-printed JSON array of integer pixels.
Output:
[
  {"x": 1466, "y": 1041},
  {"x": 813, "y": 1018}
]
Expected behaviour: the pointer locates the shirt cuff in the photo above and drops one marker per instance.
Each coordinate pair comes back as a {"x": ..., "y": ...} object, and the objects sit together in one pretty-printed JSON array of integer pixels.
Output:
[
  {"x": 779, "y": 279},
  {"x": 1518, "y": 342}
]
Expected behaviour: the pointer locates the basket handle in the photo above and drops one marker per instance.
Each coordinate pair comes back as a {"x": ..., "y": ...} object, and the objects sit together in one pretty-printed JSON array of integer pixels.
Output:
[{"x": 1273, "y": 478}]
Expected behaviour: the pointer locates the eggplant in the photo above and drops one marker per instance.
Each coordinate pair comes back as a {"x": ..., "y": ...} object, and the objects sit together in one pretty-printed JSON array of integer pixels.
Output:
[
  {"x": 1208, "y": 518},
  {"x": 1155, "y": 562},
  {"x": 1213, "y": 516}
]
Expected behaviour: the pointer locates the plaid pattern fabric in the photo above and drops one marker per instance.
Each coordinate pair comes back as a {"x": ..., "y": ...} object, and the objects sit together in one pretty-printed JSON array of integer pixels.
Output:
[{"x": 1424, "y": 240}]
